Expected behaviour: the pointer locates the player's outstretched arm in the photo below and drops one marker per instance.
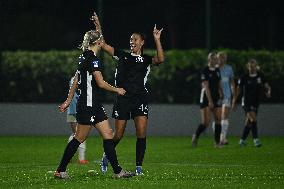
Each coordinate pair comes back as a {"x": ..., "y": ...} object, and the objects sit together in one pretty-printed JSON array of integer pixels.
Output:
[
  {"x": 159, "y": 58},
  {"x": 107, "y": 48},
  {"x": 72, "y": 90},
  {"x": 205, "y": 85},
  {"x": 96, "y": 22},
  {"x": 105, "y": 85}
]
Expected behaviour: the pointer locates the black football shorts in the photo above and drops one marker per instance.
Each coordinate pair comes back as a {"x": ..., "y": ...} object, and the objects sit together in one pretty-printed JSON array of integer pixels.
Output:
[{"x": 126, "y": 107}]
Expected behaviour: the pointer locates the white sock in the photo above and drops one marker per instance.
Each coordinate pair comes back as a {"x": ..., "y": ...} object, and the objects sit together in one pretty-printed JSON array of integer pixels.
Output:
[
  {"x": 82, "y": 150},
  {"x": 225, "y": 125},
  {"x": 213, "y": 126}
]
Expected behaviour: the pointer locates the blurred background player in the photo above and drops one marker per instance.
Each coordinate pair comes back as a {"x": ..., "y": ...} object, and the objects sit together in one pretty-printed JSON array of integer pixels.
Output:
[
  {"x": 210, "y": 100},
  {"x": 131, "y": 74},
  {"x": 228, "y": 88},
  {"x": 251, "y": 85},
  {"x": 71, "y": 119}
]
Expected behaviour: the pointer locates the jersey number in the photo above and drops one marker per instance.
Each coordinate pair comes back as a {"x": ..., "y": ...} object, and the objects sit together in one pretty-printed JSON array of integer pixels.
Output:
[{"x": 144, "y": 109}]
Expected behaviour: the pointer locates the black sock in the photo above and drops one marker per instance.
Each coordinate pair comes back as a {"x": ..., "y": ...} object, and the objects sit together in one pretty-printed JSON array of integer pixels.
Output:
[
  {"x": 69, "y": 152},
  {"x": 254, "y": 129},
  {"x": 217, "y": 133},
  {"x": 116, "y": 142},
  {"x": 246, "y": 131},
  {"x": 111, "y": 155},
  {"x": 140, "y": 150},
  {"x": 199, "y": 130}
]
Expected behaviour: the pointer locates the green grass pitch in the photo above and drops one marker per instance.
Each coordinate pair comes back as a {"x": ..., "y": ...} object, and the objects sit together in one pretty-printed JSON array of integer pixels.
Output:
[{"x": 170, "y": 162}]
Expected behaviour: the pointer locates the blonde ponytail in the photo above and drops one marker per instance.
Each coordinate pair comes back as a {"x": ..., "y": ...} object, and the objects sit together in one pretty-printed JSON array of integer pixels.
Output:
[{"x": 90, "y": 38}]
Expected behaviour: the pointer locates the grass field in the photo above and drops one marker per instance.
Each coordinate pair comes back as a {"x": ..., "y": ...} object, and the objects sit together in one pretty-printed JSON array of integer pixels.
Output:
[{"x": 170, "y": 162}]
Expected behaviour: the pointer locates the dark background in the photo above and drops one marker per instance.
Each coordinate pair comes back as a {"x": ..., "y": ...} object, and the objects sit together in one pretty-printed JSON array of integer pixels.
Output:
[{"x": 60, "y": 24}]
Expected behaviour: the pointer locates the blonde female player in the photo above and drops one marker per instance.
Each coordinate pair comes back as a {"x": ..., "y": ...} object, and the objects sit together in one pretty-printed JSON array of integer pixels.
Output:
[{"x": 90, "y": 111}]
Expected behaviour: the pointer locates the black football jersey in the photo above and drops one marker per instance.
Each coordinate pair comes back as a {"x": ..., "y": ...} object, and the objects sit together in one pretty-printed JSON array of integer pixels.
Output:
[
  {"x": 213, "y": 77},
  {"x": 88, "y": 90},
  {"x": 132, "y": 72},
  {"x": 251, "y": 87}
]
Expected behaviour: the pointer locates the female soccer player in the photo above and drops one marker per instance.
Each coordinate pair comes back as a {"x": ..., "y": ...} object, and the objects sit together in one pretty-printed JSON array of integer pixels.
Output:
[
  {"x": 90, "y": 112},
  {"x": 228, "y": 88},
  {"x": 131, "y": 74},
  {"x": 71, "y": 119},
  {"x": 251, "y": 85},
  {"x": 210, "y": 99}
]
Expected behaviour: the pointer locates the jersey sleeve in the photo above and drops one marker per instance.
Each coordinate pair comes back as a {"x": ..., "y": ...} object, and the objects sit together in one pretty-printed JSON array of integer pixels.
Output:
[
  {"x": 241, "y": 81},
  {"x": 94, "y": 65},
  {"x": 118, "y": 54},
  {"x": 204, "y": 75}
]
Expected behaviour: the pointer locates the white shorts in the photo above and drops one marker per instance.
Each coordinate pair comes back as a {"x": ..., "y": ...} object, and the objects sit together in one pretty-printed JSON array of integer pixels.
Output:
[
  {"x": 71, "y": 118},
  {"x": 226, "y": 102}
]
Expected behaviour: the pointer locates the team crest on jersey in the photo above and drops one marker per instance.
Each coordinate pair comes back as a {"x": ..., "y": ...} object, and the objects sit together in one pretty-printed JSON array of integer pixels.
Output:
[
  {"x": 139, "y": 59},
  {"x": 259, "y": 80},
  {"x": 96, "y": 64}
]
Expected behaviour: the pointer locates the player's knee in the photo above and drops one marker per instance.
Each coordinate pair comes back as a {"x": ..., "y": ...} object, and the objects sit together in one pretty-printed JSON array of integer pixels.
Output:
[
  {"x": 81, "y": 139},
  {"x": 218, "y": 121},
  {"x": 118, "y": 135},
  {"x": 108, "y": 133},
  {"x": 141, "y": 134}
]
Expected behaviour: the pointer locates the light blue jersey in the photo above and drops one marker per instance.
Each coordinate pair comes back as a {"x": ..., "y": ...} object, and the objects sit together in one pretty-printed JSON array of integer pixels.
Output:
[
  {"x": 72, "y": 107},
  {"x": 227, "y": 75}
]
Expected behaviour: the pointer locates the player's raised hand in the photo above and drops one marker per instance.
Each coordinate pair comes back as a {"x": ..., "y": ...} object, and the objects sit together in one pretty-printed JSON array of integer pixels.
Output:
[
  {"x": 96, "y": 22},
  {"x": 157, "y": 32}
]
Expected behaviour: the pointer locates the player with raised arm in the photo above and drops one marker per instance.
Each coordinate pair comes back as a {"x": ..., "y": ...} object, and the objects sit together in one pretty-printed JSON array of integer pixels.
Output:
[
  {"x": 88, "y": 82},
  {"x": 131, "y": 74}
]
